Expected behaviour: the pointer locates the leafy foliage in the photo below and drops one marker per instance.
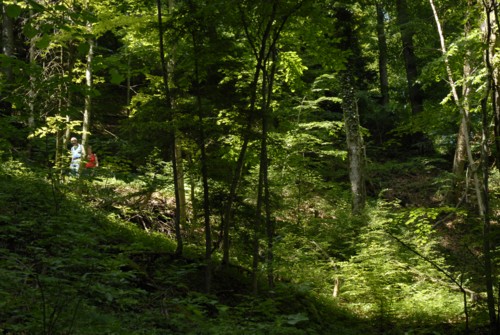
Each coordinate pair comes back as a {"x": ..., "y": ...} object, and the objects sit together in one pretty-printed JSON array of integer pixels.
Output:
[{"x": 95, "y": 254}]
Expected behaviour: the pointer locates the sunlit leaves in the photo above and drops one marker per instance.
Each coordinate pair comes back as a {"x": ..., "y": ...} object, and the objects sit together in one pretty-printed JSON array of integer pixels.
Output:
[
  {"x": 292, "y": 69},
  {"x": 54, "y": 124},
  {"x": 29, "y": 31},
  {"x": 43, "y": 42}
]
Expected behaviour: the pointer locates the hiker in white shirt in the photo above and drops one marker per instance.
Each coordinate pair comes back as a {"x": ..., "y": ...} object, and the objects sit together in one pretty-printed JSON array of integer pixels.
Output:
[{"x": 76, "y": 156}]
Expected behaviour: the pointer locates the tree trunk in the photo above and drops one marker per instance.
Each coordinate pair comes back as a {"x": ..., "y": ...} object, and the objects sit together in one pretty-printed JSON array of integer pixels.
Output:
[
  {"x": 355, "y": 146},
  {"x": 494, "y": 72},
  {"x": 204, "y": 167},
  {"x": 262, "y": 196},
  {"x": 261, "y": 47},
  {"x": 480, "y": 184},
  {"x": 459, "y": 162},
  {"x": 171, "y": 135},
  {"x": 32, "y": 92},
  {"x": 491, "y": 88},
  {"x": 354, "y": 140},
  {"x": 87, "y": 112},
  {"x": 7, "y": 40},
  {"x": 407, "y": 32},
  {"x": 382, "y": 56},
  {"x": 180, "y": 182},
  {"x": 460, "y": 157},
  {"x": 270, "y": 227},
  {"x": 227, "y": 218}
]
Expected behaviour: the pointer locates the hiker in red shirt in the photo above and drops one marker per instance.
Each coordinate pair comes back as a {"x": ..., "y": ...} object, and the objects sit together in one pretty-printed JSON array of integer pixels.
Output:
[{"x": 92, "y": 161}]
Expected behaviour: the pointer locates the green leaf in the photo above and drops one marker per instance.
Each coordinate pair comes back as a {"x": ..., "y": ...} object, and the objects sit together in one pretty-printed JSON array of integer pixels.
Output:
[
  {"x": 293, "y": 319},
  {"x": 61, "y": 8},
  {"x": 43, "y": 42},
  {"x": 83, "y": 48},
  {"x": 35, "y": 6},
  {"x": 30, "y": 31},
  {"x": 13, "y": 11},
  {"x": 116, "y": 77},
  {"x": 5, "y": 218}
]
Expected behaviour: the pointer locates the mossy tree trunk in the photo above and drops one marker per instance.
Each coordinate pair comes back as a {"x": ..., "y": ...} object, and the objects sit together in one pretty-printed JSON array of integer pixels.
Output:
[{"x": 354, "y": 140}]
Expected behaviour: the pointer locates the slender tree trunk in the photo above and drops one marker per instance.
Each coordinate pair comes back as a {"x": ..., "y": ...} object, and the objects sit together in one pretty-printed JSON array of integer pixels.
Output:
[
  {"x": 355, "y": 146},
  {"x": 258, "y": 219},
  {"x": 180, "y": 181},
  {"x": 459, "y": 162},
  {"x": 270, "y": 227},
  {"x": 32, "y": 92},
  {"x": 7, "y": 41},
  {"x": 492, "y": 12},
  {"x": 480, "y": 184},
  {"x": 261, "y": 49},
  {"x": 407, "y": 33},
  {"x": 66, "y": 101},
  {"x": 204, "y": 167},
  {"x": 179, "y": 163},
  {"x": 260, "y": 58},
  {"x": 263, "y": 184},
  {"x": 382, "y": 56},
  {"x": 491, "y": 88},
  {"x": 129, "y": 78},
  {"x": 206, "y": 203},
  {"x": 354, "y": 140},
  {"x": 87, "y": 112},
  {"x": 460, "y": 157},
  {"x": 169, "y": 107}
]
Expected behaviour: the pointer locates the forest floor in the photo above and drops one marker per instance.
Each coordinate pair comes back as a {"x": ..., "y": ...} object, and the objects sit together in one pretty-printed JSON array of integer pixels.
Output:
[{"x": 80, "y": 262}]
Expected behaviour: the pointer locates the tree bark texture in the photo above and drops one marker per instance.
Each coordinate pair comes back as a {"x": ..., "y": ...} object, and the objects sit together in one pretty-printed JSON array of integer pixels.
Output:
[
  {"x": 180, "y": 182},
  {"x": 169, "y": 107},
  {"x": 87, "y": 113},
  {"x": 410, "y": 59},
  {"x": 460, "y": 157},
  {"x": 382, "y": 56},
  {"x": 7, "y": 40},
  {"x": 354, "y": 140},
  {"x": 491, "y": 88},
  {"x": 492, "y": 14},
  {"x": 204, "y": 168}
]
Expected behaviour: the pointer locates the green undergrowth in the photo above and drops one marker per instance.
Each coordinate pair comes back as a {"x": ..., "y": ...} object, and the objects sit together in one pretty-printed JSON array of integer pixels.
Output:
[
  {"x": 74, "y": 261},
  {"x": 69, "y": 268}
]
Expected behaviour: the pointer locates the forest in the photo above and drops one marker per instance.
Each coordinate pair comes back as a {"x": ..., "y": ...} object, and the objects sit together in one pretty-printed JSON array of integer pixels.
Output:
[{"x": 249, "y": 167}]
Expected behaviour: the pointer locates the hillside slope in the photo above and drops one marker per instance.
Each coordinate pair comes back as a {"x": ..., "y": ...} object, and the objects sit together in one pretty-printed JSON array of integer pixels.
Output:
[{"x": 68, "y": 268}]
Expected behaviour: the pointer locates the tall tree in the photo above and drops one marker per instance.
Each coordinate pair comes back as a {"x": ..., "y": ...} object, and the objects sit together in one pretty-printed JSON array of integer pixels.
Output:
[
  {"x": 354, "y": 139},
  {"x": 262, "y": 27},
  {"x": 460, "y": 156},
  {"x": 87, "y": 111},
  {"x": 382, "y": 54},
  {"x": 7, "y": 38},
  {"x": 172, "y": 132},
  {"x": 491, "y": 89},
  {"x": 410, "y": 59},
  {"x": 478, "y": 170},
  {"x": 492, "y": 37},
  {"x": 204, "y": 168}
]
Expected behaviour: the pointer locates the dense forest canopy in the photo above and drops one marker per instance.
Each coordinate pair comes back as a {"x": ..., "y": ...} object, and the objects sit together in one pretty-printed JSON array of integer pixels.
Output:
[{"x": 262, "y": 167}]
